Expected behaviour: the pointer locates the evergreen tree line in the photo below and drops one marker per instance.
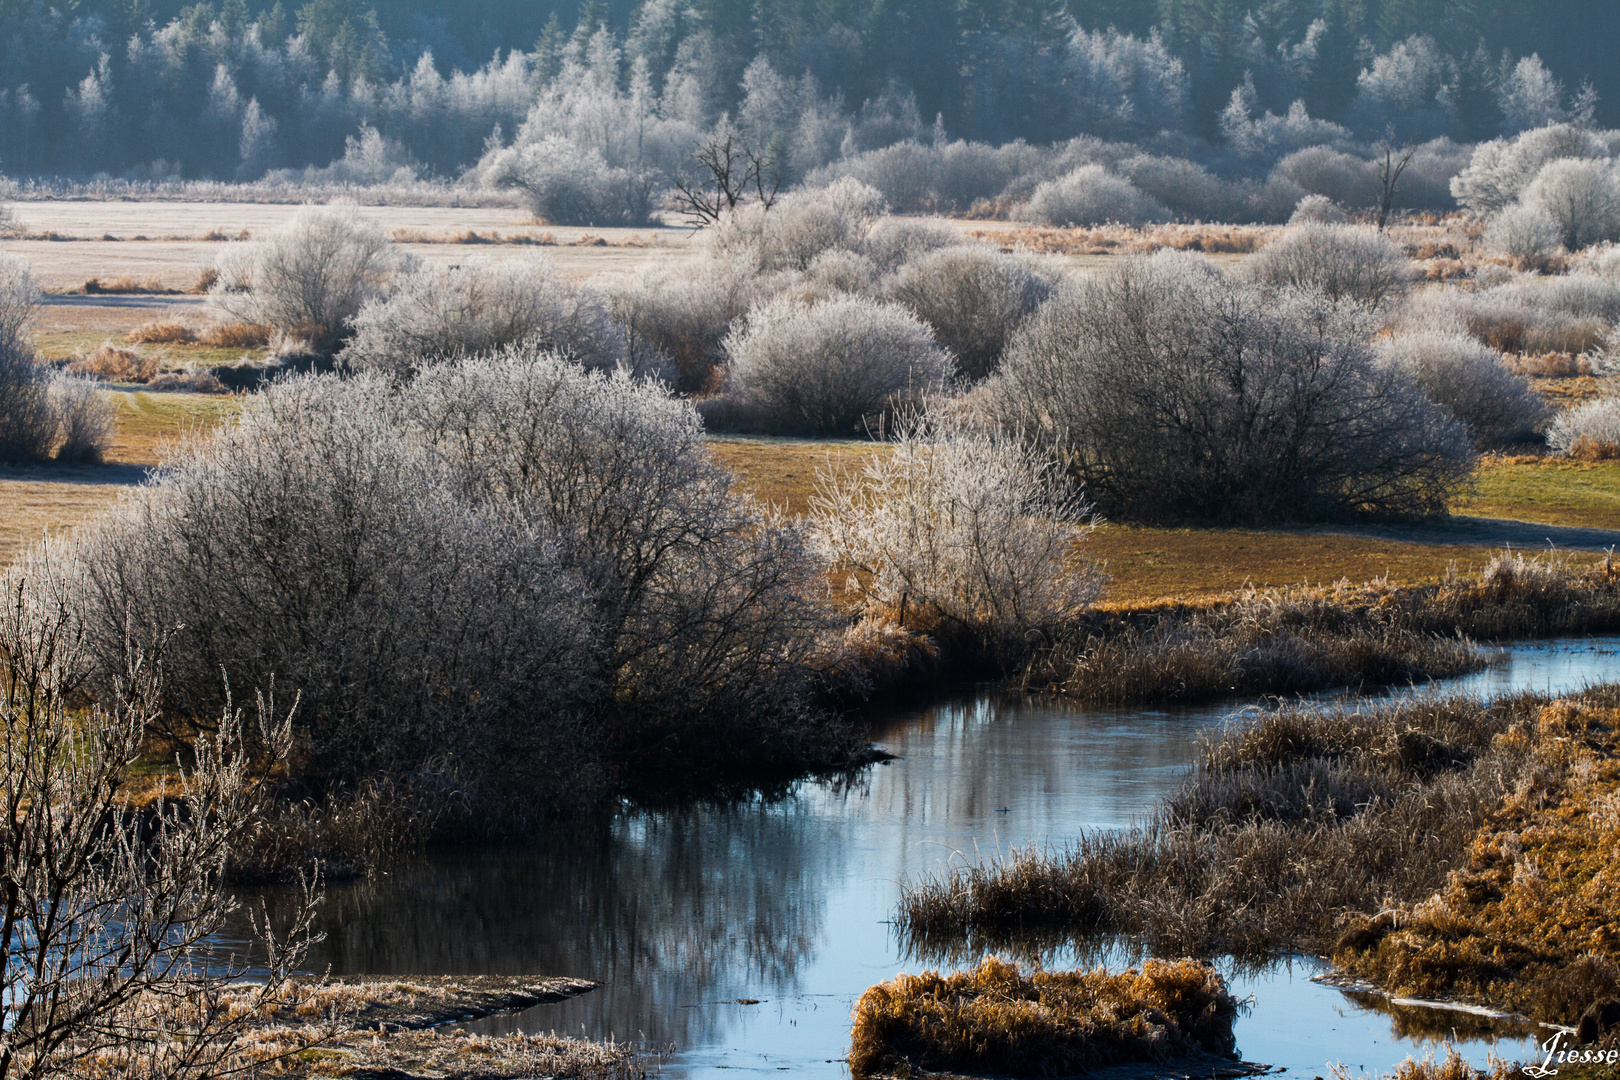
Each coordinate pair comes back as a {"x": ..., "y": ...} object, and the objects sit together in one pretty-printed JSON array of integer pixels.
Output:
[{"x": 150, "y": 89}]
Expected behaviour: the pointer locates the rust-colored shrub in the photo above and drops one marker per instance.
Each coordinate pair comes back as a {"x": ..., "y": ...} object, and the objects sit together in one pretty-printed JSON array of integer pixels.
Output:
[
  {"x": 234, "y": 335},
  {"x": 117, "y": 365},
  {"x": 161, "y": 332}
]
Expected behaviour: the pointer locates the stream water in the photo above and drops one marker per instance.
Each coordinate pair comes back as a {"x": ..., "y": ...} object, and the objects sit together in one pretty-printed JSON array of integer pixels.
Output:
[{"x": 741, "y": 936}]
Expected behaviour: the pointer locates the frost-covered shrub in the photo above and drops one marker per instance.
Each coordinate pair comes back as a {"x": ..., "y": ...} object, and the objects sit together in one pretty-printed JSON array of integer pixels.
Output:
[
  {"x": 1318, "y": 210},
  {"x": 1344, "y": 262},
  {"x": 974, "y": 297},
  {"x": 1185, "y": 188},
  {"x": 1091, "y": 195},
  {"x": 685, "y": 312},
  {"x": 432, "y": 315},
  {"x": 893, "y": 242},
  {"x": 1346, "y": 179},
  {"x": 84, "y": 420},
  {"x": 1527, "y": 234},
  {"x": 508, "y": 569},
  {"x": 1581, "y": 197},
  {"x": 1590, "y": 429},
  {"x": 958, "y": 533},
  {"x": 1522, "y": 313},
  {"x": 824, "y": 367},
  {"x": 567, "y": 184},
  {"x": 310, "y": 278},
  {"x": 415, "y": 629},
  {"x": 1498, "y": 407},
  {"x": 1175, "y": 391},
  {"x": 1500, "y": 170},
  {"x": 41, "y": 412},
  {"x": 799, "y": 227}
]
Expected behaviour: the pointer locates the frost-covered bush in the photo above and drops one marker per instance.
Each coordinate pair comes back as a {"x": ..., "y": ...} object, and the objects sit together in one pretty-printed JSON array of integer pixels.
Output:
[
  {"x": 1591, "y": 428},
  {"x": 1344, "y": 262},
  {"x": 974, "y": 297},
  {"x": 790, "y": 235},
  {"x": 567, "y": 184},
  {"x": 1185, "y": 188},
  {"x": 1318, "y": 210},
  {"x": 1091, "y": 195},
  {"x": 893, "y": 242},
  {"x": 958, "y": 533},
  {"x": 308, "y": 279},
  {"x": 41, "y": 412},
  {"x": 1175, "y": 391},
  {"x": 1527, "y": 234},
  {"x": 1346, "y": 179},
  {"x": 685, "y": 312},
  {"x": 1498, "y": 407},
  {"x": 1522, "y": 313},
  {"x": 1500, "y": 170},
  {"x": 508, "y": 570},
  {"x": 432, "y": 315},
  {"x": 1582, "y": 198},
  {"x": 823, "y": 368}
]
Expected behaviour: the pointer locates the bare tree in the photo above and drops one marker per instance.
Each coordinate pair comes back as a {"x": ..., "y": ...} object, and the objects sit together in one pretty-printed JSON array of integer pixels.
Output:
[
  {"x": 1392, "y": 162},
  {"x": 106, "y": 911},
  {"x": 732, "y": 173}
]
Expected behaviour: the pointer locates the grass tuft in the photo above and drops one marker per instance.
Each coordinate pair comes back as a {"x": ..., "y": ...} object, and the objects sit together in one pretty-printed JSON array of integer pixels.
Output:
[{"x": 997, "y": 1019}]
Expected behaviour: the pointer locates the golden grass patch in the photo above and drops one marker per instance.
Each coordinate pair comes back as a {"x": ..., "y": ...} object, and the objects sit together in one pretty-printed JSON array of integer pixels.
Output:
[{"x": 996, "y": 1019}]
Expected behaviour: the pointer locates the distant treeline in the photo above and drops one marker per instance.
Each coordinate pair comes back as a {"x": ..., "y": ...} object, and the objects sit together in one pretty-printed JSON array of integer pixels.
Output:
[{"x": 233, "y": 89}]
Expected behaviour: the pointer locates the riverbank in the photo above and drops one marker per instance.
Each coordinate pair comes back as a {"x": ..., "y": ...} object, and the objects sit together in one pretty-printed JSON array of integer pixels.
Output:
[
  {"x": 1443, "y": 849},
  {"x": 397, "y": 1028}
]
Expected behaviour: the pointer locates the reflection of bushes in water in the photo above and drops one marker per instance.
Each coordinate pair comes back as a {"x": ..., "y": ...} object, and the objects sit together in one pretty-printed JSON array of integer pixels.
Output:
[
  {"x": 699, "y": 904},
  {"x": 997, "y": 1018}
]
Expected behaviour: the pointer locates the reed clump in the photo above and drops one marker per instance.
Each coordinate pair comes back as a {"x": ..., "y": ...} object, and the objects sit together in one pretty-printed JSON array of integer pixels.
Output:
[
  {"x": 118, "y": 365},
  {"x": 1302, "y": 639},
  {"x": 1530, "y": 919},
  {"x": 998, "y": 1019},
  {"x": 1291, "y": 821}
]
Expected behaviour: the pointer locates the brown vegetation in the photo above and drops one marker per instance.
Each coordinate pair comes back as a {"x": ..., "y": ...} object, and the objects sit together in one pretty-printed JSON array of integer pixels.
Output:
[
  {"x": 1127, "y": 239},
  {"x": 1530, "y": 920},
  {"x": 1295, "y": 640},
  {"x": 999, "y": 1020},
  {"x": 117, "y": 365},
  {"x": 1548, "y": 365},
  {"x": 234, "y": 335},
  {"x": 122, "y": 286},
  {"x": 161, "y": 332}
]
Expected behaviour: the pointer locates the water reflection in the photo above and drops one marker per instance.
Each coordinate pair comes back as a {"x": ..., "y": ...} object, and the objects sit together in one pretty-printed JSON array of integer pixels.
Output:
[{"x": 681, "y": 913}]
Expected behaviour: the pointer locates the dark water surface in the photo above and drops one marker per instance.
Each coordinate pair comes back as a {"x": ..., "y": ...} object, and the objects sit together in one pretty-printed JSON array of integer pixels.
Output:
[{"x": 680, "y": 914}]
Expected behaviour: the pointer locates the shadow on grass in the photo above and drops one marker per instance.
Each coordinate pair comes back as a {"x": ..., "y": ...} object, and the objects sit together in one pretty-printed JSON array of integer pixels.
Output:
[{"x": 112, "y": 474}]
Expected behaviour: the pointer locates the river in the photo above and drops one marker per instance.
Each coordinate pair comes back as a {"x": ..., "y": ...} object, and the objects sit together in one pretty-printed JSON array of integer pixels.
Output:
[{"x": 740, "y": 936}]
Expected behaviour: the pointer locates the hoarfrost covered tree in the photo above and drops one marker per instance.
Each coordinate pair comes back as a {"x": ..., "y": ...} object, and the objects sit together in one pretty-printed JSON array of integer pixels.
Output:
[
  {"x": 1319, "y": 210},
  {"x": 1408, "y": 90},
  {"x": 789, "y": 235},
  {"x": 432, "y": 315},
  {"x": 1348, "y": 180},
  {"x": 310, "y": 278},
  {"x": 1091, "y": 195},
  {"x": 1530, "y": 97},
  {"x": 1582, "y": 198},
  {"x": 1125, "y": 86},
  {"x": 1501, "y": 169},
  {"x": 965, "y": 534},
  {"x": 1343, "y": 262},
  {"x": 1174, "y": 391},
  {"x": 1498, "y": 407},
  {"x": 974, "y": 298},
  {"x": 106, "y": 914},
  {"x": 825, "y": 367}
]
